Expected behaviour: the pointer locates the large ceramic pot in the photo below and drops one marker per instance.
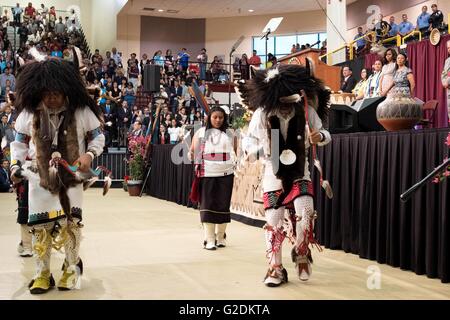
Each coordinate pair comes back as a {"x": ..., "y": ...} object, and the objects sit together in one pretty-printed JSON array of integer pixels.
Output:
[
  {"x": 399, "y": 113},
  {"x": 134, "y": 187}
]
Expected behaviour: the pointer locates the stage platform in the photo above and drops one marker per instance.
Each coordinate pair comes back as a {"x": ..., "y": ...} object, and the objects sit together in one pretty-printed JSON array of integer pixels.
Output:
[{"x": 368, "y": 172}]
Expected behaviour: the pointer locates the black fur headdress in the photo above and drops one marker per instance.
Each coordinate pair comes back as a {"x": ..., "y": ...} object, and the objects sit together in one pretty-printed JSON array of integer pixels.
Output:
[
  {"x": 55, "y": 75},
  {"x": 269, "y": 86}
]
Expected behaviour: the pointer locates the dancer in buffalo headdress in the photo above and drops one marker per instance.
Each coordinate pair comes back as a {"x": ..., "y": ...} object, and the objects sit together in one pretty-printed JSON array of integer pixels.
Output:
[
  {"x": 289, "y": 105},
  {"x": 59, "y": 124}
]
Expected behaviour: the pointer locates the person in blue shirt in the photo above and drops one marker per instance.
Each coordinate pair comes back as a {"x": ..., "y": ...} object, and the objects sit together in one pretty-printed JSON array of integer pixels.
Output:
[
  {"x": 423, "y": 21},
  {"x": 17, "y": 12},
  {"x": 361, "y": 43},
  {"x": 405, "y": 27},
  {"x": 394, "y": 27},
  {"x": 183, "y": 59}
]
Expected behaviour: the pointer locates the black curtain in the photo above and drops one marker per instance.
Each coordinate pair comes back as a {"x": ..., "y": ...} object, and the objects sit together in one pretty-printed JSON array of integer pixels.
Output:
[{"x": 368, "y": 172}]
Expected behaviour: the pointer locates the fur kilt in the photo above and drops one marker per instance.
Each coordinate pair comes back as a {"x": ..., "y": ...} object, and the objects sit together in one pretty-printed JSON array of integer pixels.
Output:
[{"x": 215, "y": 195}]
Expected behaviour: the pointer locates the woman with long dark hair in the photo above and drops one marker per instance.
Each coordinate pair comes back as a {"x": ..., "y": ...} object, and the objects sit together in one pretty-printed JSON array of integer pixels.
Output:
[
  {"x": 214, "y": 152},
  {"x": 388, "y": 70}
]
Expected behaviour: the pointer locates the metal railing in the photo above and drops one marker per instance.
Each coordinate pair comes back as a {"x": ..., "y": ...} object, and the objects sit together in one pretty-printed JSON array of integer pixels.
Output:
[{"x": 412, "y": 34}]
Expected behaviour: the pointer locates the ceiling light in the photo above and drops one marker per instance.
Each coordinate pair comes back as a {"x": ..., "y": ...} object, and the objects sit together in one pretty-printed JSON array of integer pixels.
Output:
[
  {"x": 160, "y": 10},
  {"x": 250, "y": 10}
]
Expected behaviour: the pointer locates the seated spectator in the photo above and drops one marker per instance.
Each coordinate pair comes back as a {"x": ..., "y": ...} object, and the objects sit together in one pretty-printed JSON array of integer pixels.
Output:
[
  {"x": 405, "y": 27},
  {"x": 423, "y": 23},
  {"x": 137, "y": 129},
  {"x": 436, "y": 18},
  {"x": 373, "y": 82},
  {"x": 361, "y": 86},
  {"x": 5, "y": 183},
  {"x": 349, "y": 81}
]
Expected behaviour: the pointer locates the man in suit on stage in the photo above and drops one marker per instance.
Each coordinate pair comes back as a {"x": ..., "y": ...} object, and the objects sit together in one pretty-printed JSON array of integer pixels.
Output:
[{"x": 349, "y": 81}]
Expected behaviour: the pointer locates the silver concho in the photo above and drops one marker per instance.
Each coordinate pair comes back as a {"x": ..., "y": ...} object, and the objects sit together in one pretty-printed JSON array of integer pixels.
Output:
[
  {"x": 287, "y": 157},
  {"x": 56, "y": 154}
]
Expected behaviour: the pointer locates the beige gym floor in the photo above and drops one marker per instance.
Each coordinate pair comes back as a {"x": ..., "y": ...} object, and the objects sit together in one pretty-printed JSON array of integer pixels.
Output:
[{"x": 145, "y": 248}]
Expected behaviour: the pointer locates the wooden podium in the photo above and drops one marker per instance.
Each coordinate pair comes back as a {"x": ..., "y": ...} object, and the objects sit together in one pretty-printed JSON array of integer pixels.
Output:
[{"x": 330, "y": 75}]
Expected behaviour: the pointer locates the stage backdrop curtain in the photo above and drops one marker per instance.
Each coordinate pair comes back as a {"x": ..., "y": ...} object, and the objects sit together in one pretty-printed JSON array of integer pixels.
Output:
[
  {"x": 427, "y": 62},
  {"x": 368, "y": 172}
]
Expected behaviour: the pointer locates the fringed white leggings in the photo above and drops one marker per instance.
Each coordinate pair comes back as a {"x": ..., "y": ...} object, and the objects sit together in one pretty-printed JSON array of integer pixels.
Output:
[{"x": 304, "y": 210}]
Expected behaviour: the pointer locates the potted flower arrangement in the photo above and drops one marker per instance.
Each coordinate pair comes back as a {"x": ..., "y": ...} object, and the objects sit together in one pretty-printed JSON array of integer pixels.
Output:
[{"x": 136, "y": 164}]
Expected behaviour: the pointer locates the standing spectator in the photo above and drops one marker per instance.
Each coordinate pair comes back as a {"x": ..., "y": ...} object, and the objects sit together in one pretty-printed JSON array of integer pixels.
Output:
[
  {"x": 3, "y": 125},
  {"x": 382, "y": 28},
  {"x": 8, "y": 76},
  {"x": 123, "y": 122},
  {"x": 17, "y": 13},
  {"x": 293, "y": 49},
  {"x": 423, "y": 23},
  {"x": 144, "y": 61},
  {"x": 133, "y": 74},
  {"x": 271, "y": 61},
  {"x": 445, "y": 78},
  {"x": 52, "y": 18},
  {"x": 183, "y": 59},
  {"x": 361, "y": 43},
  {"x": 164, "y": 137},
  {"x": 60, "y": 27},
  {"x": 215, "y": 68},
  {"x": 23, "y": 34},
  {"x": 30, "y": 12},
  {"x": 202, "y": 59},
  {"x": 116, "y": 56},
  {"x": 132, "y": 59},
  {"x": 436, "y": 18},
  {"x": 5, "y": 184},
  {"x": 405, "y": 27},
  {"x": 255, "y": 60},
  {"x": 182, "y": 117},
  {"x": 175, "y": 92},
  {"x": 169, "y": 63},
  {"x": 158, "y": 59},
  {"x": 387, "y": 73},
  {"x": 394, "y": 27},
  {"x": 244, "y": 67},
  {"x": 174, "y": 132},
  {"x": 110, "y": 116}
]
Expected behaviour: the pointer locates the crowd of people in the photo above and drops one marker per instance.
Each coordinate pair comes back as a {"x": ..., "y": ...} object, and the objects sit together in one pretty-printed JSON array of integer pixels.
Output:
[{"x": 425, "y": 22}]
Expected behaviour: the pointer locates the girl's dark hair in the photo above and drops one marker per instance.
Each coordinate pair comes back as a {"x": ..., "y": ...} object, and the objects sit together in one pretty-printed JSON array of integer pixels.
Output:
[
  {"x": 224, "y": 126},
  {"x": 394, "y": 55},
  {"x": 54, "y": 75}
]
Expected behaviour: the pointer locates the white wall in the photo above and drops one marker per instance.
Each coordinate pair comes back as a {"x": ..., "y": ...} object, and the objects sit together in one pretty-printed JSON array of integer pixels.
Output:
[{"x": 222, "y": 33}]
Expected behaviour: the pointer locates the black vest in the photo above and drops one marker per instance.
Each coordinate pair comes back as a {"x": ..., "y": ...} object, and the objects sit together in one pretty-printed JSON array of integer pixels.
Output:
[{"x": 295, "y": 142}]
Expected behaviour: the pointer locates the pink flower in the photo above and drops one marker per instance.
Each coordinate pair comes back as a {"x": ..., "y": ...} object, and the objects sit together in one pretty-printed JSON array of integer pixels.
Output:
[
  {"x": 447, "y": 142},
  {"x": 447, "y": 173},
  {"x": 436, "y": 180}
]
